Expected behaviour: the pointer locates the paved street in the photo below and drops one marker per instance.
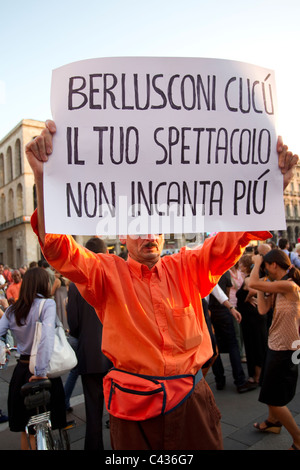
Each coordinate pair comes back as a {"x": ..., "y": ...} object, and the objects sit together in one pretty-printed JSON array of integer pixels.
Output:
[{"x": 239, "y": 412}]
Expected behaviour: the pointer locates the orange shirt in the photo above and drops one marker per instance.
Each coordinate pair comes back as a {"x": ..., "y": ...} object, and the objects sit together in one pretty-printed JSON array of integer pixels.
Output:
[
  {"x": 153, "y": 321},
  {"x": 13, "y": 290}
]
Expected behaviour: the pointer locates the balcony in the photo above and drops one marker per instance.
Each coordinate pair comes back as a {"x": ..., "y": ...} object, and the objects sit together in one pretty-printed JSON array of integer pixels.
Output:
[{"x": 23, "y": 219}]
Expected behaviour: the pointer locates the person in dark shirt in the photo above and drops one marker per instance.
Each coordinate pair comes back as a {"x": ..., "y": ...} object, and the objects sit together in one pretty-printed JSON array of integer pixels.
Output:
[
  {"x": 222, "y": 322},
  {"x": 92, "y": 364}
]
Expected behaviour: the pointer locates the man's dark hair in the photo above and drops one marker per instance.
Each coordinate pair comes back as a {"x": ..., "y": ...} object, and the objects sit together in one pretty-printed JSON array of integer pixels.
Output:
[
  {"x": 42, "y": 263},
  {"x": 282, "y": 243},
  {"x": 96, "y": 245}
]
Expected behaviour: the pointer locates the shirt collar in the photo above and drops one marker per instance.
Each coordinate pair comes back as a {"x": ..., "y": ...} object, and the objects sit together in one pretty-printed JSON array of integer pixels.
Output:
[{"x": 141, "y": 270}]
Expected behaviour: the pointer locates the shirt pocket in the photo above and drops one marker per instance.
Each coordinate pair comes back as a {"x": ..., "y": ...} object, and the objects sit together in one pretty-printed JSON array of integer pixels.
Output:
[{"x": 185, "y": 328}]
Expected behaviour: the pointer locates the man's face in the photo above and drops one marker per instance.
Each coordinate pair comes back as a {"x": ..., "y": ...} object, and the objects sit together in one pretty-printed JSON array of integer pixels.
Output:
[
  {"x": 145, "y": 249},
  {"x": 16, "y": 276}
]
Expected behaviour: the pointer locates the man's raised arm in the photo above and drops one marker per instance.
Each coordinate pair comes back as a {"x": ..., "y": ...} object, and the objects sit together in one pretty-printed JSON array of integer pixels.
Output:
[{"x": 37, "y": 152}]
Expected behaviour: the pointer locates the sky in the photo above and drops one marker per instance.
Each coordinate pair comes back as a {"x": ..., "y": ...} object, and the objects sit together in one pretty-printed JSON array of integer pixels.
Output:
[{"x": 37, "y": 37}]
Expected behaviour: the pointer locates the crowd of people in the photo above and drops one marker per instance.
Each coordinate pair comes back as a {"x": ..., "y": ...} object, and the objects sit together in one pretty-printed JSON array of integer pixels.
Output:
[
  {"x": 237, "y": 324},
  {"x": 11, "y": 281}
]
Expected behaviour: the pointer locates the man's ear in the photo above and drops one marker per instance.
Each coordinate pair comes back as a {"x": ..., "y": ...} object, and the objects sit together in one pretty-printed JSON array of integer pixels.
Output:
[{"x": 123, "y": 239}]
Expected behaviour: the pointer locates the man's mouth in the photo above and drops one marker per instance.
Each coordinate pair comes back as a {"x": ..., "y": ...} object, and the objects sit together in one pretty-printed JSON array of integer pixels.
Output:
[{"x": 150, "y": 245}]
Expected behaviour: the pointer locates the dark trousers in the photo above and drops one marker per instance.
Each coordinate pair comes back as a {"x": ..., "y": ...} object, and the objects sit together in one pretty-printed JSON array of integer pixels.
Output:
[
  {"x": 255, "y": 335},
  {"x": 226, "y": 340},
  {"x": 92, "y": 385}
]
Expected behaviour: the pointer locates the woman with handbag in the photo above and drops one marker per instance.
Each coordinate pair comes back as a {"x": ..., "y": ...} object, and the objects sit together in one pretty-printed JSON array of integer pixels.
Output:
[{"x": 21, "y": 318}]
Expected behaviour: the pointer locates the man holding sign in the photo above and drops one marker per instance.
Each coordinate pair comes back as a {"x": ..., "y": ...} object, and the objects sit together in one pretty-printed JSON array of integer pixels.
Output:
[{"x": 154, "y": 330}]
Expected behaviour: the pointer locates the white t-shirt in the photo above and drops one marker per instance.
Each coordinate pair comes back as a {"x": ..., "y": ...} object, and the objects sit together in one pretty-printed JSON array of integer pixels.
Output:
[{"x": 2, "y": 281}]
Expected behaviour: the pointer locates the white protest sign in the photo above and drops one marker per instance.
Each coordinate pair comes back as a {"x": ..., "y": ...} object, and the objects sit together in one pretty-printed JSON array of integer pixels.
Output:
[{"x": 163, "y": 145}]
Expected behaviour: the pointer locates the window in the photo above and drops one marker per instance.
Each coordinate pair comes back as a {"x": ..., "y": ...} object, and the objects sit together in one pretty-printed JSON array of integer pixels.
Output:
[
  {"x": 18, "y": 161},
  {"x": 19, "y": 208},
  {"x": 1, "y": 169},
  {"x": 11, "y": 212},
  {"x": 9, "y": 169},
  {"x": 296, "y": 211},
  {"x": 9, "y": 252},
  {"x": 2, "y": 209}
]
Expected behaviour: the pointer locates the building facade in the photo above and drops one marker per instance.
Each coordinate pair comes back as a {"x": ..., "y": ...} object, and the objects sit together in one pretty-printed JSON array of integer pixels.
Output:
[
  {"x": 292, "y": 209},
  {"x": 18, "y": 244}
]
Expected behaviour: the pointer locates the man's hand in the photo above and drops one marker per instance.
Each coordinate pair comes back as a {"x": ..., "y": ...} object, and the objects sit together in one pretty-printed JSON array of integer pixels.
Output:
[
  {"x": 37, "y": 152},
  {"x": 32, "y": 378},
  {"x": 39, "y": 149},
  {"x": 236, "y": 314},
  {"x": 287, "y": 162}
]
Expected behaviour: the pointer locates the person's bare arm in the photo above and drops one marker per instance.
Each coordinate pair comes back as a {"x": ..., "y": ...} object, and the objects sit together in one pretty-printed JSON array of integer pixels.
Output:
[{"x": 264, "y": 303}]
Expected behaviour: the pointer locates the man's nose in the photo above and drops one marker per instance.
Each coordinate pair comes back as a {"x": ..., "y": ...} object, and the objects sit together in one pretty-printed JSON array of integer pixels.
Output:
[{"x": 150, "y": 236}]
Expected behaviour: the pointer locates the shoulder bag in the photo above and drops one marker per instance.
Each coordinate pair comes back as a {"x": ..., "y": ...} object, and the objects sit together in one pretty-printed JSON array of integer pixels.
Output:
[{"x": 63, "y": 357}]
